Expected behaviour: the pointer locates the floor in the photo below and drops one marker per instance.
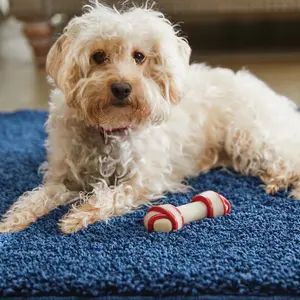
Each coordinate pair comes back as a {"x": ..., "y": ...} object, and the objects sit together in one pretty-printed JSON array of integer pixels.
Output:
[{"x": 22, "y": 86}]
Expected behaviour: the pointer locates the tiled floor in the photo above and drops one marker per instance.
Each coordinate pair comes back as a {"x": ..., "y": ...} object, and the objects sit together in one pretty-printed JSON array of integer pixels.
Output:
[{"x": 22, "y": 86}]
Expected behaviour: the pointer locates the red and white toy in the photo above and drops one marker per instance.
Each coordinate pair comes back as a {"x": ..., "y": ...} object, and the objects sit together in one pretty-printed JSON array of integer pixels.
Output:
[{"x": 167, "y": 217}]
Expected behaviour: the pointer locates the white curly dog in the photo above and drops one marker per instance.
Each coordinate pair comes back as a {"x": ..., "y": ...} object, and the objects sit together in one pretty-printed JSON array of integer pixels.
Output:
[{"x": 130, "y": 119}]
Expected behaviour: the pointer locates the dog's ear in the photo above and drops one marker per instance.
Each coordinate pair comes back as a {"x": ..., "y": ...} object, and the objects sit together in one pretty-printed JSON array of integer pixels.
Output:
[
  {"x": 184, "y": 50},
  {"x": 175, "y": 82},
  {"x": 62, "y": 68},
  {"x": 56, "y": 57}
]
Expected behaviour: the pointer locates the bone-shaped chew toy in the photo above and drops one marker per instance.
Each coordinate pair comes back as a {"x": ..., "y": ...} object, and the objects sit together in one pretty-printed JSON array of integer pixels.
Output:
[{"x": 167, "y": 217}]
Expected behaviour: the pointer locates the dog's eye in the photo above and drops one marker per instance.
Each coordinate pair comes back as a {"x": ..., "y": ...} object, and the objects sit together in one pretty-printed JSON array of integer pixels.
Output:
[
  {"x": 138, "y": 57},
  {"x": 99, "y": 57}
]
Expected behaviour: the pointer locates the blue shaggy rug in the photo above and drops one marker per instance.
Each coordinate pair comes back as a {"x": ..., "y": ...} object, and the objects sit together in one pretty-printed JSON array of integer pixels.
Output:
[{"x": 254, "y": 251}]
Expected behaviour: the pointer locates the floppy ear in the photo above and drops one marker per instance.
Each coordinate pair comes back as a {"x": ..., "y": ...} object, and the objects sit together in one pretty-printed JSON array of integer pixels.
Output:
[
  {"x": 184, "y": 50},
  {"x": 175, "y": 81},
  {"x": 55, "y": 58},
  {"x": 64, "y": 70}
]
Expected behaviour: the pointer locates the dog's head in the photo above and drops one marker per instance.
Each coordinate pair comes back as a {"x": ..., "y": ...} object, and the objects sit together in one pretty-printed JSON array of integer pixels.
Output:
[{"x": 120, "y": 68}]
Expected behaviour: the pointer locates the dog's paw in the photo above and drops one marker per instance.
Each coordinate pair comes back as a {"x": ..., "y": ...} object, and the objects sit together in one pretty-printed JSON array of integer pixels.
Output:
[
  {"x": 272, "y": 189},
  {"x": 79, "y": 218},
  {"x": 9, "y": 227},
  {"x": 71, "y": 224},
  {"x": 295, "y": 194}
]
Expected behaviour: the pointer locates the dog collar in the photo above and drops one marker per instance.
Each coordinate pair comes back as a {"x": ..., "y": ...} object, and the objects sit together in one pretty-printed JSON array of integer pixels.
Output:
[{"x": 116, "y": 130}]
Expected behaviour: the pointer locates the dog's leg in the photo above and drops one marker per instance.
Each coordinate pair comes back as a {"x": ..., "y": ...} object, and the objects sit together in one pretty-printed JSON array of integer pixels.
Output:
[
  {"x": 102, "y": 204},
  {"x": 263, "y": 135},
  {"x": 33, "y": 205}
]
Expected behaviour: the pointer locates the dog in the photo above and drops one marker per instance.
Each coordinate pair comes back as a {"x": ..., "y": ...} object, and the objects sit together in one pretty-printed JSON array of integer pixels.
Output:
[{"x": 130, "y": 119}]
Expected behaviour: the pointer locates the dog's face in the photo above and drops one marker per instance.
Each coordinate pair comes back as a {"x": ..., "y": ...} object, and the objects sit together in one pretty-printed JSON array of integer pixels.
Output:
[{"x": 120, "y": 69}]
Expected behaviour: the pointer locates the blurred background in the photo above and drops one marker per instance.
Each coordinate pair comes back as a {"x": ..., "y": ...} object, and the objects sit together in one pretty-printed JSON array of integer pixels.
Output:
[{"x": 260, "y": 35}]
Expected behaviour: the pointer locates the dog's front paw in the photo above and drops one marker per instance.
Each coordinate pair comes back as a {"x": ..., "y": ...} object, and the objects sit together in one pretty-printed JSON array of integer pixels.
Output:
[
  {"x": 71, "y": 224},
  {"x": 8, "y": 226},
  {"x": 79, "y": 218}
]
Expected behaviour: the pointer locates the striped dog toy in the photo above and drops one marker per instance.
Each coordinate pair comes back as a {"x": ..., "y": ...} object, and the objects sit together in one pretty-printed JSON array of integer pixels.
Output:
[{"x": 167, "y": 217}]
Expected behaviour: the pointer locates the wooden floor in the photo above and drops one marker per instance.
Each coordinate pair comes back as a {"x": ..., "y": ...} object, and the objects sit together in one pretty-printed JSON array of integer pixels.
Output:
[{"x": 22, "y": 86}]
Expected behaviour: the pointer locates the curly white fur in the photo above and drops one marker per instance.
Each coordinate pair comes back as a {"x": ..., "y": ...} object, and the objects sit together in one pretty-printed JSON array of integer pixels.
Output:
[{"x": 182, "y": 120}]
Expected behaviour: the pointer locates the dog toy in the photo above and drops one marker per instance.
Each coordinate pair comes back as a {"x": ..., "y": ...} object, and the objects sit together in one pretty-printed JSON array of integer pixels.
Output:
[{"x": 167, "y": 217}]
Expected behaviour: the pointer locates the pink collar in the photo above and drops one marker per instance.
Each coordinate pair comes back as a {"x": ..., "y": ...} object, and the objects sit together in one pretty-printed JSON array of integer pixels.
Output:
[{"x": 117, "y": 130}]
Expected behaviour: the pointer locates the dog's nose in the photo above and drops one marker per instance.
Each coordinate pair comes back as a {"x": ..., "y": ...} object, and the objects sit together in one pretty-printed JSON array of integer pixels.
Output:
[{"x": 121, "y": 90}]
